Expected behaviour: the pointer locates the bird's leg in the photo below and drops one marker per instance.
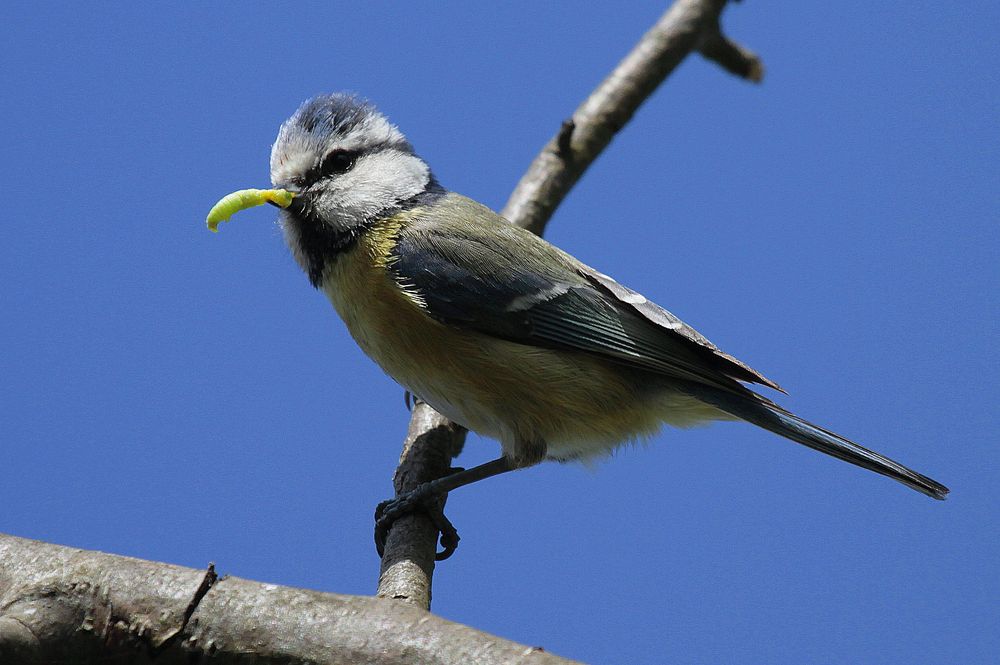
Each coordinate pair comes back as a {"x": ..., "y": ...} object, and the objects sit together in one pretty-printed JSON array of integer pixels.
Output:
[{"x": 428, "y": 497}]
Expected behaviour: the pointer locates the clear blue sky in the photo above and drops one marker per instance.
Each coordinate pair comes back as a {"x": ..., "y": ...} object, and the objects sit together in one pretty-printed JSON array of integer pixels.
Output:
[{"x": 181, "y": 396}]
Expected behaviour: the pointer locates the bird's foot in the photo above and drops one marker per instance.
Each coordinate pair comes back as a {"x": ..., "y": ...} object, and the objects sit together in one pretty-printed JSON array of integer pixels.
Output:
[{"x": 426, "y": 498}]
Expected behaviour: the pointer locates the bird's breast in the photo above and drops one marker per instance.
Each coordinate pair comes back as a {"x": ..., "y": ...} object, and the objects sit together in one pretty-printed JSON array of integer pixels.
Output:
[
  {"x": 432, "y": 360},
  {"x": 579, "y": 404}
]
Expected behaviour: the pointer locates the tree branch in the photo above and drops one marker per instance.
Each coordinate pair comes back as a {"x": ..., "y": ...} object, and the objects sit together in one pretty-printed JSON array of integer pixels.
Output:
[
  {"x": 688, "y": 25},
  {"x": 63, "y": 605},
  {"x": 681, "y": 30},
  {"x": 408, "y": 565},
  {"x": 729, "y": 55}
]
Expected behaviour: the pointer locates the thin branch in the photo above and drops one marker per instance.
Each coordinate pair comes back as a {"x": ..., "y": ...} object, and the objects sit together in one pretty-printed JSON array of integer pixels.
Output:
[
  {"x": 161, "y": 644},
  {"x": 608, "y": 109},
  {"x": 729, "y": 55},
  {"x": 408, "y": 564},
  {"x": 689, "y": 25},
  {"x": 66, "y": 606}
]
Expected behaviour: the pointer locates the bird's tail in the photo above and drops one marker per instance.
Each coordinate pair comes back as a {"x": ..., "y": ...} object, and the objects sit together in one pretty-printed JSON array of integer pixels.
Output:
[{"x": 762, "y": 412}]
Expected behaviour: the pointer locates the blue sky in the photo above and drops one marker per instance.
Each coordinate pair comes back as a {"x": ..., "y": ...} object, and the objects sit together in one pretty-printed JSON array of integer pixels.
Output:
[{"x": 175, "y": 395}]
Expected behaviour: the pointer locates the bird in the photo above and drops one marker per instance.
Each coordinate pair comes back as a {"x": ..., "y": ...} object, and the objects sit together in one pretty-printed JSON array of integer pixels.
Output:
[{"x": 494, "y": 327}]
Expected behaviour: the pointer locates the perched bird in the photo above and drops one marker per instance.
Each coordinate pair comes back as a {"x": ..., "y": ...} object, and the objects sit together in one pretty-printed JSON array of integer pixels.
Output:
[{"x": 494, "y": 327}]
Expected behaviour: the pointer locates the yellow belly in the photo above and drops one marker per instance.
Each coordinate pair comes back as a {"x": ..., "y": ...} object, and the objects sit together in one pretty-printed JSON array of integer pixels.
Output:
[{"x": 578, "y": 404}]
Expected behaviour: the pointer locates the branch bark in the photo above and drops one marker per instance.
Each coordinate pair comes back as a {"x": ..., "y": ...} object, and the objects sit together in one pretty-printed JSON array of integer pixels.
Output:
[
  {"x": 63, "y": 605},
  {"x": 689, "y": 25}
]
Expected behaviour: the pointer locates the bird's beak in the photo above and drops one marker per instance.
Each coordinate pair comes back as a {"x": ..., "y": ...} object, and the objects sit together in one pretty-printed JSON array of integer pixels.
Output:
[
  {"x": 231, "y": 204},
  {"x": 294, "y": 205}
]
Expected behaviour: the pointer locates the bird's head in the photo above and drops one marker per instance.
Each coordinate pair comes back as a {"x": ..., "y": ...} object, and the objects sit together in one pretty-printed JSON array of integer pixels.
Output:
[{"x": 347, "y": 165}]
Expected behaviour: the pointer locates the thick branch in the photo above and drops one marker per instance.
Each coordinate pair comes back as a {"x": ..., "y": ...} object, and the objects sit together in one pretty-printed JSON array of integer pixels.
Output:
[
  {"x": 61, "y": 605},
  {"x": 687, "y": 26}
]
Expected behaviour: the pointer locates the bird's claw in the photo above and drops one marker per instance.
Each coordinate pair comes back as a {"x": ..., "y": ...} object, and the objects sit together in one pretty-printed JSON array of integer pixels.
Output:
[{"x": 387, "y": 512}]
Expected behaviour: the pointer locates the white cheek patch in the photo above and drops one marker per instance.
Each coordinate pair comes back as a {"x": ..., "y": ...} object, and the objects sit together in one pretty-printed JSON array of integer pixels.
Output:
[
  {"x": 392, "y": 173},
  {"x": 387, "y": 177},
  {"x": 378, "y": 182}
]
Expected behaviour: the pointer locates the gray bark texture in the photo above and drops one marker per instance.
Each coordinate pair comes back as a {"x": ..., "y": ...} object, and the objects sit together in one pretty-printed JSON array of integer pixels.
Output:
[
  {"x": 67, "y": 606},
  {"x": 432, "y": 441}
]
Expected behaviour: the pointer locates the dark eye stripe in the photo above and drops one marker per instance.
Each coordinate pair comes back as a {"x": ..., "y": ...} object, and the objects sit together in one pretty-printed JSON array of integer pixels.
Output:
[{"x": 335, "y": 163}]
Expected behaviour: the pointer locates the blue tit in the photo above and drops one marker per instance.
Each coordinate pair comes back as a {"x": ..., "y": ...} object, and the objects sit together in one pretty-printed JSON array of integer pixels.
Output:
[{"x": 494, "y": 327}]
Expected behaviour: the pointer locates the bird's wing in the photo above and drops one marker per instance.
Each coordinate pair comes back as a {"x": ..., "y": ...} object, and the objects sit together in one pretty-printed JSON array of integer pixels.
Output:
[
  {"x": 498, "y": 279},
  {"x": 659, "y": 316}
]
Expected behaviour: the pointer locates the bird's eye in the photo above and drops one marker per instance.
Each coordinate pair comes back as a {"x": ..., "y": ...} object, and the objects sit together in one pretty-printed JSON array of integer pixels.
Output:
[{"x": 337, "y": 162}]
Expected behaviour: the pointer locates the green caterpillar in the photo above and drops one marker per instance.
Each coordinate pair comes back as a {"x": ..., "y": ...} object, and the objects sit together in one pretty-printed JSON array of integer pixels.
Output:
[{"x": 230, "y": 204}]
